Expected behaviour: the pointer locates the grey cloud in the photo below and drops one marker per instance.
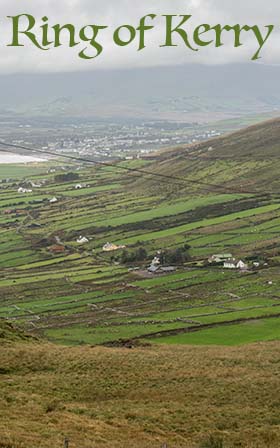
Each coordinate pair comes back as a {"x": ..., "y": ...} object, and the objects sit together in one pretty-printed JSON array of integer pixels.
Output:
[{"x": 112, "y": 13}]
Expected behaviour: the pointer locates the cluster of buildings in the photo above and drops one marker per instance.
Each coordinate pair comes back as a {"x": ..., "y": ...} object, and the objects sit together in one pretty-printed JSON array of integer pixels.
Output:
[
  {"x": 229, "y": 262},
  {"x": 106, "y": 140},
  {"x": 156, "y": 267}
]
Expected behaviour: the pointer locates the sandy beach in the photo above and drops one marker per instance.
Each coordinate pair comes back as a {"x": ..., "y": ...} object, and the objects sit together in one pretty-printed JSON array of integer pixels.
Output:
[{"x": 7, "y": 158}]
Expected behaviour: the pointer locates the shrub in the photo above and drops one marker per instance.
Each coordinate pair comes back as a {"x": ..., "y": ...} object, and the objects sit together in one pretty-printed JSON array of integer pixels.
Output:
[
  {"x": 212, "y": 442},
  {"x": 67, "y": 177}
]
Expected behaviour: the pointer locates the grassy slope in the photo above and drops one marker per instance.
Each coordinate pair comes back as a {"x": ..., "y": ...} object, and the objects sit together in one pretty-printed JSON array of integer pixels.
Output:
[
  {"x": 10, "y": 334},
  {"x": 141, "y": 397},
  {"x": 81, "y": 297},
  {"x": 240, "y": 160}
]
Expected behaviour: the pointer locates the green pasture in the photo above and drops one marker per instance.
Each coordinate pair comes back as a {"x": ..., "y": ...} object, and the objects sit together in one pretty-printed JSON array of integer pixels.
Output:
[{"x": 245, "y": 333}]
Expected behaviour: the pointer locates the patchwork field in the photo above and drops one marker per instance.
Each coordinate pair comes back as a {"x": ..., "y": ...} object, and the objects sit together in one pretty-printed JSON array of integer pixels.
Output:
[{"x": 217, "y": 202}]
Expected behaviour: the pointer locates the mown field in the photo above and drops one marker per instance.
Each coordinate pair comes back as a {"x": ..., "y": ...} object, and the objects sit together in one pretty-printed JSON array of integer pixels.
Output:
[{"x": 83, "y": 295}]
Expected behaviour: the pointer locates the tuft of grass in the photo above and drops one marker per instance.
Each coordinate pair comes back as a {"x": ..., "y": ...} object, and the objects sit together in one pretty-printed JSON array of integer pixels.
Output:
[{"x": 212, "y": 442}]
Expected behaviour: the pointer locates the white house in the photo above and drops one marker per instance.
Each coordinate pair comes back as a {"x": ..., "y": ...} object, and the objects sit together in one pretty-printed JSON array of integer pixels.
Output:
[
  {"x": 241, "y": 265},
  {"x": 109, "y": 247},
  {"x": 53, "y": 200},
  {"x": 234, "y": 264},
  {"x": 230, "y": 264},
  {"x": 81, "y": 186},
  {"x": 156, "y": 261},
  {"x": 82, "y": 240},
  {"x": 24, "y": 190},
  {"x": 155, "y": 265},
  {"x": 33, "y": 185}
]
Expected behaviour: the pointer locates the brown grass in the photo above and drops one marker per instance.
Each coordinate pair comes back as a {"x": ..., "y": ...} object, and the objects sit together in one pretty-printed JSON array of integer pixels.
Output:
[{"x": 143, "y": 397}]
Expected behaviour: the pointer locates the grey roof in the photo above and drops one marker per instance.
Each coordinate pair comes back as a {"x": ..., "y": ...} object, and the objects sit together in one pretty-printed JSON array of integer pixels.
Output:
[
  {"x": 153, "y": 268},
  {"x": 168, "y": 269}
]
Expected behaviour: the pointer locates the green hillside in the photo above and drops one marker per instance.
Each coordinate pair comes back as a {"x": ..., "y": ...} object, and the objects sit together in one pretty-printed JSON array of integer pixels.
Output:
[
  {"x": 219, "y": 197},
  {"x": 247, "y": 160},
  {"x": 9, "y": 334}
]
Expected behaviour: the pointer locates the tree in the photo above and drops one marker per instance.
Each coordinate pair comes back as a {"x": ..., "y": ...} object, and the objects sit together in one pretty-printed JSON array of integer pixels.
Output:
[
  {"x": 124, "y": 256},
  {"x": 67, "y": 177},
  {"x": 141, "y": 254}
]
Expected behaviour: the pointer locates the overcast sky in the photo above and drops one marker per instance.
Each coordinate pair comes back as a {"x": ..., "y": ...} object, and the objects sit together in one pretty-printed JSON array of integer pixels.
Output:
[{"x": 117, "y": 12}]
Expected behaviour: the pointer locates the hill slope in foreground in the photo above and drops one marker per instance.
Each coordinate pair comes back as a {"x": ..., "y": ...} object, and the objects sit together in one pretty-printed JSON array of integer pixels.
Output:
[{"x": 144, "y": 397}]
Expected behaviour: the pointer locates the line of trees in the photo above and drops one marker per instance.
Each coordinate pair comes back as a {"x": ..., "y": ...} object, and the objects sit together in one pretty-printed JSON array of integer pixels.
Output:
[
  {"x": 168, "y": 256},
  {"x": 131, "y": 257},
  {"x": 177, "y": 256}
]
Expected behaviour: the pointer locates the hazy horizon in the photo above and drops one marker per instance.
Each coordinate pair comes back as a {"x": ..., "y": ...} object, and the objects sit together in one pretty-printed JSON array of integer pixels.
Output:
[{"x": 178, "y": 93}]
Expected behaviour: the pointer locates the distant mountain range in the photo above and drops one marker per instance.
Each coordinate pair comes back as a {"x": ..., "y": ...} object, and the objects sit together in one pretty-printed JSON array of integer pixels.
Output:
[{"x": 185, "y": 93}]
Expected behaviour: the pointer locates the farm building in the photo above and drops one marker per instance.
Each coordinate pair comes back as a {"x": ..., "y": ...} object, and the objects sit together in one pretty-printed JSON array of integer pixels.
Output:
[
  {"x": 53, "y": 200},
  {"x": 81, "y": 186},
  {"x": 109, "y": 247},
  {"x": 33, "y": 185},
  {"x": 168, "y": 269},
  {"x": 220, "y": 258},
  {"x": 24, "y": 190},
  {"x": 156, "y": 261},
  {"x": 157, "y": 269},
  {"x": 234, "y": 264},
  {"x": 153, "y": 268},
  {"x": 82, "y": 240},
  {"x": 57, "y": 249},
  {"x": 241, "y": 265}
]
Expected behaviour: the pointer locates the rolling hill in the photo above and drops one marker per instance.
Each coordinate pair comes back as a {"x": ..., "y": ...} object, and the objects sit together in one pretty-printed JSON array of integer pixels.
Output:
[
  {"x": 217, "y": 92},
  {"x": 245, "y": 160},
  {"x": 219, "y": 197}
]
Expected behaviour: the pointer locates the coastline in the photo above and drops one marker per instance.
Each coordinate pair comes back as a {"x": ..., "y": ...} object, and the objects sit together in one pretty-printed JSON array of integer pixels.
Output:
[{"x": 11, "y": 158}]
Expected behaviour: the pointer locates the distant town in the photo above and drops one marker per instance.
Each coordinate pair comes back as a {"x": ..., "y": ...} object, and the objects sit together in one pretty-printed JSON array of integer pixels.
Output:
[{"x": 103, "y": 140}]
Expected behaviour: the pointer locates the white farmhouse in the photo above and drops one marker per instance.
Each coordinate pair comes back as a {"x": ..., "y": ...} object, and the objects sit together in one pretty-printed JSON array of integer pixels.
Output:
[
  {"x": 109, "y": 247},
  {"x": 81, "y": 186},
  {"x": 24, "y": 190},
  {"x": 82, "y": 240},
  {"x": 242, "y": 266},
  {"x": 230, "y": 264},
  {"x": 234, "y": 264},
  {"x": 156, "y": 261},
  {"x": 33, "y": 185}
]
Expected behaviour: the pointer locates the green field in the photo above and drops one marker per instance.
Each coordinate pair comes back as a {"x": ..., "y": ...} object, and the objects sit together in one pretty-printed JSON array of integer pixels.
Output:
[
  {"x": 264, "y": 330},
  {"x": 80, "y": 294}
]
